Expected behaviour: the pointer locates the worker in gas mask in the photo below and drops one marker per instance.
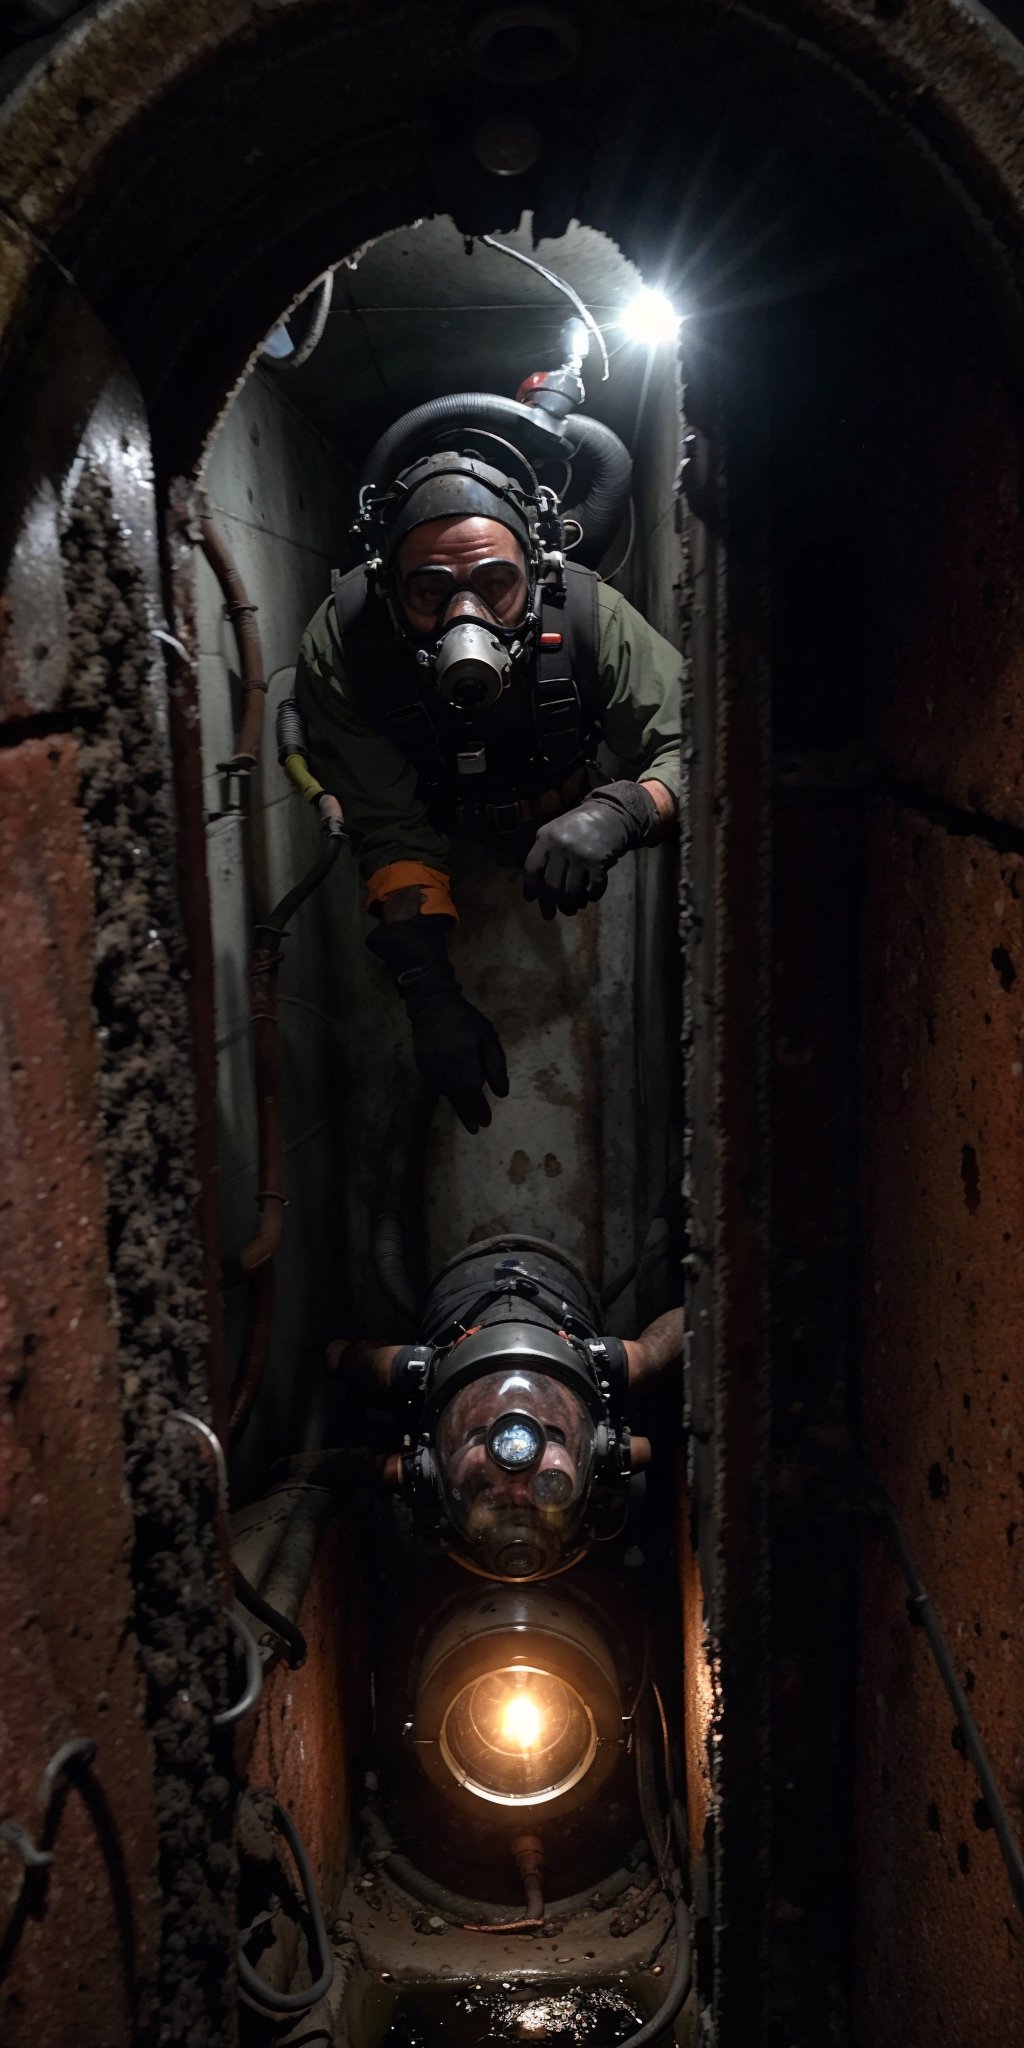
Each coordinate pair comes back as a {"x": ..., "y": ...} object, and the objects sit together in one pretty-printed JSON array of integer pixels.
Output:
[
  {"x": 460, "y": 685},
  {"x": 514, "y": 1409}
]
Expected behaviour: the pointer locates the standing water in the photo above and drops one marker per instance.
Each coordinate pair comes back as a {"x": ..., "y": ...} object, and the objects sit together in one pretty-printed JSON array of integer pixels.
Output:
[{"x": 475, "y": 2019}]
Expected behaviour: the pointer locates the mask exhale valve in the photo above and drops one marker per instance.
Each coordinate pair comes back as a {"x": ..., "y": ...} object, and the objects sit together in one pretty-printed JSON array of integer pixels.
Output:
[{"x": 471, "y": 666}]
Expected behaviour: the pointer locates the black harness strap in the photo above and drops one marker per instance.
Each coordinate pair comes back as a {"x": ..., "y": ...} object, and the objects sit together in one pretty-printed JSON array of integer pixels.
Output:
[{"x": 565, "y": 690}]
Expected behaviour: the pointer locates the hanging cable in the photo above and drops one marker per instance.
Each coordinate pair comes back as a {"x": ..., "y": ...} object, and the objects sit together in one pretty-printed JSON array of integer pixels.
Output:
[
  {"x": 924, "y": 1613},
  {"x": 252, "y": 1687},
  {"x": 561, "y": 286},
  {"x": 263, "y": 1995},
  {"x": 660, "y": 2025},
  {"x": 280, "y": 1625},
  {"x": 210, "y": 1438},
  {"x": 310, "y": 315}
]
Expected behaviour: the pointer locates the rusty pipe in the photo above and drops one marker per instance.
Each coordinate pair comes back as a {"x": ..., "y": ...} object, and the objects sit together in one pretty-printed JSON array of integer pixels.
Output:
[
  {"x": 256, "y": 1349},
  {"x": 528, "y": 1851},
  {"x": 270, "y": 1194},
  {"x": 266, "y": 1239},
  {"x": 242, "y": 614},
  {"x": 254, "y": 1261}
]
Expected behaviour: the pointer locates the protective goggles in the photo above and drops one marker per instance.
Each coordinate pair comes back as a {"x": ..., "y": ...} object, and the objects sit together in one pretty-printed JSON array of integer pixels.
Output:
[{"x": 499, "y": 584}]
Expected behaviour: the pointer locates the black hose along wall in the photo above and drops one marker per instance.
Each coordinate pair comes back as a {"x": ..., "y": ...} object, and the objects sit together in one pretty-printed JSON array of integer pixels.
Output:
[{"x": 146, "y": 1093}]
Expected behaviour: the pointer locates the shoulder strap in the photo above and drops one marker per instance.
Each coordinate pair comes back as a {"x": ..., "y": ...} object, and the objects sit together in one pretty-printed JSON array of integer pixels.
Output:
[
  {"x": 581, "y": 614},
  {"x": 382, "y": 677},
  {"x": 565, "y": 692}
]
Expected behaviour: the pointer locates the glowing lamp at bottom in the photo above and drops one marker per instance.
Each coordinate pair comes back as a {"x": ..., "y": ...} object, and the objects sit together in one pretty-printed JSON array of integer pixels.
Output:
[
  {"x": 519, "y": 1737},
  {"x": 517, "y": 1703}
]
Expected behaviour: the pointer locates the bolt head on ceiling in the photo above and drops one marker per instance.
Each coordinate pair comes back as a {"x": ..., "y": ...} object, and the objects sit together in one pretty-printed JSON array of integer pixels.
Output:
[{"x": 507, "y": 145}]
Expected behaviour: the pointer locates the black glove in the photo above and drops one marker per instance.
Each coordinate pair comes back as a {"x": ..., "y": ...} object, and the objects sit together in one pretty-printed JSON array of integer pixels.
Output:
[
  {"x": 456, "y": 1048},
  {"x": 567, "y": 865}
]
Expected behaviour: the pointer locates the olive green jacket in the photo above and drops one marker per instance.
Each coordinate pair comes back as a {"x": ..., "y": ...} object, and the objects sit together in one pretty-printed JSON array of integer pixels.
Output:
[{"x": 639, "y": 677}]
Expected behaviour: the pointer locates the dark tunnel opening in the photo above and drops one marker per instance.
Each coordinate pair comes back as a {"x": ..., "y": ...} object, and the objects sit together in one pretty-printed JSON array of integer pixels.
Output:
[{"x": 846, "y": 548}]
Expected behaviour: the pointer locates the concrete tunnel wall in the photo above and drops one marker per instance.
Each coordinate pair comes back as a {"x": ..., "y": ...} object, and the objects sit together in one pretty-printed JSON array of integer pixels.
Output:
[
  {"x": 111, "y": 1586},
  {"x": 278, "y": 495},
  {"x": 896, "y": 554},
  {"x": 942, "y": 1187}
]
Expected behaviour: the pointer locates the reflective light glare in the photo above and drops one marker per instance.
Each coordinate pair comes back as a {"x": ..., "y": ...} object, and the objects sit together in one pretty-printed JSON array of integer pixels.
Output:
[
  {"x": 518, "y": 1737},
  {"x": 650, "y": 318},
  {"x": 520, "y": 1722}
]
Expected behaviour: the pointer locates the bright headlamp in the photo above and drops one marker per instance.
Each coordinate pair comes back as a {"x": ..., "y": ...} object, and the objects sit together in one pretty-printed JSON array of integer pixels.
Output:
[
  {"x": 517, "y": 1703},
  {"x": 518, "y": 1737}
]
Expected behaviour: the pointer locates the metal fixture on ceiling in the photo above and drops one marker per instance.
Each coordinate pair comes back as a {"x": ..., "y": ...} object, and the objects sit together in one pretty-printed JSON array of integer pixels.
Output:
[
  {"x": 507, "y": 145},
  {"x": 523, "y": 45}
]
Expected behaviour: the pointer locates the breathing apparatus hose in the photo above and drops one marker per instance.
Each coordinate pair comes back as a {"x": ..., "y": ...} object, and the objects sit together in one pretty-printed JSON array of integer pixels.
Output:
[
  {"x": 601, "y": 464},
  {"x": 600, "y": 455}
]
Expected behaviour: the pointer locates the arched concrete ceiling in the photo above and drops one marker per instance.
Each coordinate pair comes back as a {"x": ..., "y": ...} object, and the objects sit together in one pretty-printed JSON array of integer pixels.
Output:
[
  {"x": 191, "y": 168},
  {"x": 419, "y": 316}
]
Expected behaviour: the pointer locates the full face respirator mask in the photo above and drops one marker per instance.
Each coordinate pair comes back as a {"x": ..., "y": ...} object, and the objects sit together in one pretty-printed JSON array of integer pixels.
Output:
[
  {"x": 467, "y": 632},
  {"x": 517, "y": 1455}
]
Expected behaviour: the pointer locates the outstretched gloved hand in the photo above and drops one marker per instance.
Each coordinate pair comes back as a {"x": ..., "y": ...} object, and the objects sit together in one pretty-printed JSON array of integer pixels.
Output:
[
  {"x": 456, "y": 1047},
  {"x": 567, "y": 865}
]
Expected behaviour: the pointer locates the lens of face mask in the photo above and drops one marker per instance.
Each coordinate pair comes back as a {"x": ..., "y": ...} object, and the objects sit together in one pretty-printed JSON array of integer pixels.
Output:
[
  {"x": 515, "y": 1442},
  {"x": 500, "y": 585},
  {"x": 552, "y": 1489},
  {"x": 515, "y": 1452}
]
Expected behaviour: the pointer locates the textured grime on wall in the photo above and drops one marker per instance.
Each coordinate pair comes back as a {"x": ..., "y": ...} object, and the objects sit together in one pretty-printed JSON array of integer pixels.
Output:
[
  {"x": 307, "y": 1724},
  {"x": 70, "y": 1667},
  {"x": 943, "y": 1191},
  {"x": 145, "y": 1092}
]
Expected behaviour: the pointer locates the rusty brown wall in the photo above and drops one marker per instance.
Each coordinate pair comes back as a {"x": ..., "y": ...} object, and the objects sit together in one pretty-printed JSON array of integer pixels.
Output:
[
  {"x": 309, "y": 1720},
  {"x": 108, "y": 1560},
  {"x": 65, "y": 1588},
  {"x": 940, "y": 1946}
]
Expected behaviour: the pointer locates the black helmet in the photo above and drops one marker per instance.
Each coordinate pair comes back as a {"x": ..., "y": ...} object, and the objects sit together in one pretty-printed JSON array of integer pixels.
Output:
[{"x": 445, "y": 486}]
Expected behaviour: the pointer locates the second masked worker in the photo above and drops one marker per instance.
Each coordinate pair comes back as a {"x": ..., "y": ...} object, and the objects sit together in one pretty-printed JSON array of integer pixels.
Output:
[{"x": 459, "y": 686}]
